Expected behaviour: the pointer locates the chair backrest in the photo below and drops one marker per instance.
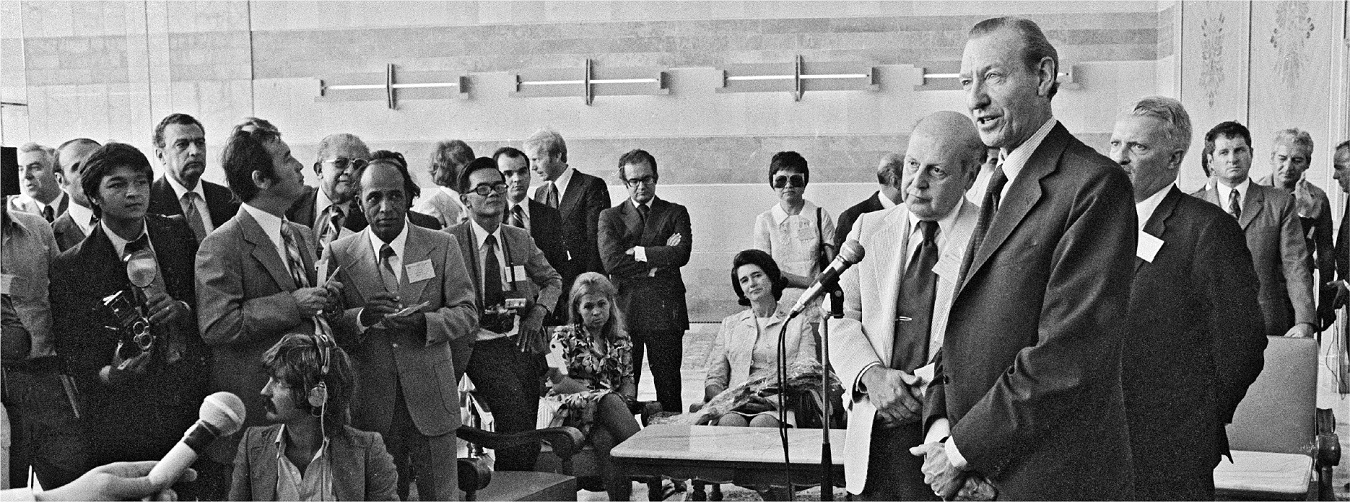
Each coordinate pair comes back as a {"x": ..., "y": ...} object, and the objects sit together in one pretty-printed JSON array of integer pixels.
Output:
[{"x": 1279, "y": 412}]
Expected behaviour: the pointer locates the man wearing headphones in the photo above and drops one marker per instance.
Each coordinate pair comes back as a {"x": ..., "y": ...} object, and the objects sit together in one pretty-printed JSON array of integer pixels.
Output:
[{"x": 310, "y": 453}]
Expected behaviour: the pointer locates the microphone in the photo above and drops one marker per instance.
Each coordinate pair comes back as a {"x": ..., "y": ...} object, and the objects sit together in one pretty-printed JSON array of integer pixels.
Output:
[
  {"x": 849, "y": 254},
  {"x": 221, "y": 414}
]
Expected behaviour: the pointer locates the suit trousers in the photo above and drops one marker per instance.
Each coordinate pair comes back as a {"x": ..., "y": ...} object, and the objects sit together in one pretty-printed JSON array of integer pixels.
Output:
[
  {"x": 509, "y": 381},
  {"x": 430, "y": 460},
  {"x": 43, "y": 430},
  {"x": 667, "y": 351},
  {"x": 892, "y": 472}
]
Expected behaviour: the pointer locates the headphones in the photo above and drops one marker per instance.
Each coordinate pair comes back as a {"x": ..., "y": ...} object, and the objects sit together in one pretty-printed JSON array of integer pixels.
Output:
[{"x": 318, "y": 394}]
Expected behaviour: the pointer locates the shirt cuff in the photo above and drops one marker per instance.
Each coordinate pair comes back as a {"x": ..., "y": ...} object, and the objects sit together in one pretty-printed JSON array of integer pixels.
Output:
[
  {"x": 640, "y": 253},
  {"x": 953, "y": 454},
  {"x": 941, "y": 428},
  {"x": 858, "y": 386},
  {"x": 361, "y": 328}
]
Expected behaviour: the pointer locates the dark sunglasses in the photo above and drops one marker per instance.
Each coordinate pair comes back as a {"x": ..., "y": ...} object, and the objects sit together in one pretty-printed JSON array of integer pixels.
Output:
[
  {"x": 342, "y": 163},
  {"x": 485, "y": 190},
  {"x": 788, "y": 180}
]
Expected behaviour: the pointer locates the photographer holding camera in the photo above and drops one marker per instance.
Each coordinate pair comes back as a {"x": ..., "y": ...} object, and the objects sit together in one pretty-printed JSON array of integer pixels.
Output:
[
  {"x": 515, "y": 287},
  {"x": 133, "y": 275}
]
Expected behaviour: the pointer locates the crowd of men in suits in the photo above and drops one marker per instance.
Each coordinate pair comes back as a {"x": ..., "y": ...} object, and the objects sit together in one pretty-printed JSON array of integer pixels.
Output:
[{"x": 1033, "y": 337}]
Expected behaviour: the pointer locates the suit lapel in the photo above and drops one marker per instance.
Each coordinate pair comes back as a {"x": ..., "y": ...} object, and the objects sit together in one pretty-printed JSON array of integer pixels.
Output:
[
  {"x": 264, "y": 251},
  {"x": 1022, "y": 195},
  {"x": 1157, "y": 222},
  {"x": 1256, "y": 198},
  {"x": 1210, "y": 194},
  {"x": 164, "y": 192},
  {"x": 362, "y": 268},
  {"x": 346, "y": 469},
  {"x": 896, "y": 230},
  {"x": 263, "y": 459},
  {"x": 417, "y": 248},
  {"x": 568, "y": 201}
]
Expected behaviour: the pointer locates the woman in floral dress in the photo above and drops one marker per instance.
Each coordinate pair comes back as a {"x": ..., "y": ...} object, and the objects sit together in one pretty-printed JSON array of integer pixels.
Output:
[{"x": 597, "y": 386}]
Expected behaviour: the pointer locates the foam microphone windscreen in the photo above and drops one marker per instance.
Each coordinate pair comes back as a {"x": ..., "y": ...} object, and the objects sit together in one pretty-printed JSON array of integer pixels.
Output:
[
  {"x": 224, "y": 411},
  {"x": 851, "y": 251}
]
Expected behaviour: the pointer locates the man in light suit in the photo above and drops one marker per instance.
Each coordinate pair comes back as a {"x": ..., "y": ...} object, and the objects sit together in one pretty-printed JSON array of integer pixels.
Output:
[
  {"x": 1027, "y": 390},
  {"x": 543, "y": 222},
  {"x": 578, "y": 197},
  {"x": 507, "y": 365},
  {"x": 72, "y": 227},
  {"x": 1273, "y": 232},
  {"x": 916, "y": 279},
  {"x": 644, "y": 242},
  {"x": 1196, "y": 335},
  {"x": 410, "y": 298},
  {"x": 42, "y": 194},
  {"x": 887, "y": 196},
  {"x": 255, "y": 277},
  {"x": 180, "y": 146}
]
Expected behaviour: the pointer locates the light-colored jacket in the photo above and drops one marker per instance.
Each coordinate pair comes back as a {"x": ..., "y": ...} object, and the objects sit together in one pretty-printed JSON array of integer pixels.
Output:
[{"x": 731, "y": 360}]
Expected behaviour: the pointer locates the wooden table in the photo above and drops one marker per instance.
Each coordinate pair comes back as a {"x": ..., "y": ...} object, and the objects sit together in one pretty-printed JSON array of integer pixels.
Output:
[{"x": 746, "y": 456}]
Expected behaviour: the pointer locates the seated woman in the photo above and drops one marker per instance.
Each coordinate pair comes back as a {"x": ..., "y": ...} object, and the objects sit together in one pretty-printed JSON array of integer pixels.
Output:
[
  {"x": 747, "y": 345},
  {"x": 597, "y": 386},
  {"x": 310, "y": 453}
]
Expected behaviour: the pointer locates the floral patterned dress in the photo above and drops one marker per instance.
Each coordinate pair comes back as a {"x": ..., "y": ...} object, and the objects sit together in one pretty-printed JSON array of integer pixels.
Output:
[{"x": 602, "y": 372}]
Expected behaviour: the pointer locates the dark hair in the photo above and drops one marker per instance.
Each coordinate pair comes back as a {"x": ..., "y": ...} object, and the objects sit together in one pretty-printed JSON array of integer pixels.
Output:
[
  {"x": 451, "y": 155},
  {"x": 56, "y": 159},
  {"x": 511, "y": 152},
  {"x": 765, "y": 263},
  {"x": 790, "y": 161},
  {"x": 244, "y": 153},
  {"x": 1229, "y": 129},
  {"x": 410, "y": 189},
  {"x": 477, "y": 164},
  {"x": 1035, "y": 46},
  {"x": 260, "y": 129},
  {"x": 101, "y": 164},
  {"x": 174, "y": 118},
  {"x": 637, "y": 156},
  {"x": 890, "y": 171},
  {"x": 1345, "y": 145},
  {"x": 295, "y": 360}
]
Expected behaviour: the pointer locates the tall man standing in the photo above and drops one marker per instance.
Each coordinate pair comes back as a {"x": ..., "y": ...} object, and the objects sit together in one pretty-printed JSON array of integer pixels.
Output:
[
  {"x": 1274, "y": 235},
  {"x": 72, "y": 227},
  {"x": 887, "y": 196},
  {"x": 256, "y": 279},
  {"x": 1196, "y": 338},
  {"x": 578, "y": 197},
  {"x": 911, "y": 273},
  {"x": 409, "y": 298},
  {"x": 329, "y": 210},
  {"x": 42, "y": 194},
  {"x": 180, "y": 146},
  {"x": 1028, "y": 379},
  {"x": 543, "y": 222},
  {"x": 644, "y": 242},
  {"x": 516, "y": 288}
]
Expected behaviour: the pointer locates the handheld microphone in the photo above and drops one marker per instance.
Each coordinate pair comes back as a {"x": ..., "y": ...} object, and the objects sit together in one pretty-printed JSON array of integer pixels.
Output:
[
  {"x": 849, "y": 254},
  {"x": 221, "y": 414}
]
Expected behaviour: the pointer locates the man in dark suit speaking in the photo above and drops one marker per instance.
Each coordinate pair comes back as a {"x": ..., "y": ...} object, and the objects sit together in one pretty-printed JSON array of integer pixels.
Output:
[
  {"x": 644, "y": 241},
  {"x": 1028, "y": 378},
  {"x": 1196, "y": 339}
]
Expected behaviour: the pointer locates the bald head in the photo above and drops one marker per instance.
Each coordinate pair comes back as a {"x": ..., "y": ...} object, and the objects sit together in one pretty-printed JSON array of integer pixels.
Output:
[
  {"x": 70, "y": 157},
  {"x": 944, "y": 155}
]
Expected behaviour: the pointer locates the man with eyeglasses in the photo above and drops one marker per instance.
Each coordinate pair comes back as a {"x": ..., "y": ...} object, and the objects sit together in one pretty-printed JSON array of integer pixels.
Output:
[
  {"x": 515, "y": 289},
  {"x": 329, "y": 209},
  {"x": 643, "y": 243},
  {"x": 180, "y": 147}
]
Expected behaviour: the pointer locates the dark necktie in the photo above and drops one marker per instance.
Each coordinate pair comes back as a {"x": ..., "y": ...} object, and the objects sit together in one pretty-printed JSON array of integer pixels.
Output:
[
  {"x": 643, "y": 211},
  {"x": 387, "y": 274},
  {"x": 1343, "y": 245},
  {"x": 992, "y": 197},
  {"x": 918, "y": 290},
  {"x": 518, "y": 216},
  {"x": 1235, "y": 203},
  {"x": 193, "y": 217},
  {"x": 492, "y": 274},
  {"x": 48, "y": 213},
  {"x": 550, "y": 194}
]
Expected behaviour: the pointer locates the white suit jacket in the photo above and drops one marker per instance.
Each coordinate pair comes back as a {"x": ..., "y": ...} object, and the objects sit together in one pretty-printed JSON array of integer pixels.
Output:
[{"x": 866, "y": 334}]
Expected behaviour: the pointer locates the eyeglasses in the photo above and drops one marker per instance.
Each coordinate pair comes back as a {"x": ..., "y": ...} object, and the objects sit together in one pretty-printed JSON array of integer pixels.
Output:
[
  {"x": 645, "y": 180},
  {"x": 343, "y": 163},
  {"x": 485, "y": 190},
  {"x": 788, "y": 180}
]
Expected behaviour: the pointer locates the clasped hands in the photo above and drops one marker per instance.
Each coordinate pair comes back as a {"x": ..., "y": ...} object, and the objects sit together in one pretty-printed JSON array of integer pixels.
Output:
[{"x": 947, "y": 480}]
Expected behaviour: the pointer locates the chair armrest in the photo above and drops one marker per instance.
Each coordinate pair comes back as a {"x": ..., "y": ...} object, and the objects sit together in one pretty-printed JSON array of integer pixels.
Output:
[
  {"x": 474, "y": 474},
  {"x": 565, "y": 441}
]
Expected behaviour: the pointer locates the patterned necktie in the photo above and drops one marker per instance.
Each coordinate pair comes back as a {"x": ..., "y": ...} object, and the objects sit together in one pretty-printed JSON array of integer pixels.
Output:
[
  {"x": 387, "y": 273},
  {"x": 48, "y": 213},
  {"x": 988, "y": 209},
  {"x": 518, "y": 216},
  {"x": 918, "y": 291},
  {"x": 332, "y": 226},
  {"x": 193, "y": 217},
  {"x": 1235, "y": 204},
  {"x": 492, "y": 274},
  {"x": 294, "y": 261},
  {"x": 550, "y": 194}
]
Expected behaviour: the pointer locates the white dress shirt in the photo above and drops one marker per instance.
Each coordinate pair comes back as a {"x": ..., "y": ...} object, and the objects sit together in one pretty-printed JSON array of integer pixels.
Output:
[
  {"x": 271, "y": 225},
  {"x": 1013, "y": 161},
  {"x": 1146, "y": 207},
  {"x": 396, "y": 261},
  {"x": 82, "y": 216},
  {"x": 200, "y": 201},
  {"x": 561, "y": 183},
  {"x": 1222, "y": 191},
  {"x": 321, "y": 204}
]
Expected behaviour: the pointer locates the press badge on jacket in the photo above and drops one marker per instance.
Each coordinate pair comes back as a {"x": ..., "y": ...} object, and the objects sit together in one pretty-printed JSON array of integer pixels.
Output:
[{"x": 420, "y": 271}]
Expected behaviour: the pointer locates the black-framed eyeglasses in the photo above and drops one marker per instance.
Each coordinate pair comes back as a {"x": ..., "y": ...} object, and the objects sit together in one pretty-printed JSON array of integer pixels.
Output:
[
  {"x": 343, "y": 163},
  {"x": 645, "y": 180},
  {"x": 788, "y": 180},
  {"x": 485, "y": 190}
]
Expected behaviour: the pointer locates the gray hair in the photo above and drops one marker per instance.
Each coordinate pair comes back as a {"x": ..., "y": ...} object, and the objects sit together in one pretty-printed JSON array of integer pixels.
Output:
[
  {"x": 1176, "y": 122},
  {"x": 1294, "y": 136},
  {"x": 48, "y": 153},
  {"x": 331, "y": 142},
  {"x": 549, "y": 141},
  {"x": 889, "y": 171}
]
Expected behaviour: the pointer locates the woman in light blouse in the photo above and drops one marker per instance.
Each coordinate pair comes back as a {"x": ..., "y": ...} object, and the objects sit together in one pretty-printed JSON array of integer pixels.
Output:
[
  {"x": 747, "y": 345},
  {"x": 794, "y": 230}
]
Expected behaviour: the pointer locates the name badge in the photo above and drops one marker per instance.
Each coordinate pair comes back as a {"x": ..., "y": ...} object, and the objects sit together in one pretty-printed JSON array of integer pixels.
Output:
[
  {"x": 518, "y": 272},
  {"x": 6, "y": 282},
  {"x": 1148, "y": 246},
  {"x": 419, "y": 271},
  {"x": 949, "y": 266}
]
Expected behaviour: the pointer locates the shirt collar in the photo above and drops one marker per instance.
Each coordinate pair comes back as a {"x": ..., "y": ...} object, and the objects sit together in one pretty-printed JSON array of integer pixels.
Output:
[
  {"x": 944, "y": 223},
  {"x": 399, "y": 240},
  {"x": 1222, "y": 191},
  {"x": 1146, "y": 207},
  {"x": 1013, "y": 161},
  {"x": 563, "y": 180},
  {"x": 780, "y": 214},
  {"x": 280, "y": 443},
  {"x": 120, "y": 244},
  {"x": 270, "y": 223},
  {"x": 322, "y": 203},
  {"x": 480, "y": 234},
  {"x": 179, "y": 190},
  {"x": 82, "y": 216},
  {"x": 511, "y": 206},
  {"x": 886, "y": 202},
  {"x": 648, "y": 204},
  {"x": 54, "y": 204}
]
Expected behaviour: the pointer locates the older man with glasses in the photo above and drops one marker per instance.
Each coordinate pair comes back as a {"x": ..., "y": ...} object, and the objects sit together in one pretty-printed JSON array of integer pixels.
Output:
[{"x": 329, "y": 209}]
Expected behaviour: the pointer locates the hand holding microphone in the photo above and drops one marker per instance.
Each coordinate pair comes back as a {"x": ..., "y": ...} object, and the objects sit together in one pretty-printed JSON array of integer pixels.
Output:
[
  {"x": 221, "y": 414},
  {"x": 849, "y": 254}
]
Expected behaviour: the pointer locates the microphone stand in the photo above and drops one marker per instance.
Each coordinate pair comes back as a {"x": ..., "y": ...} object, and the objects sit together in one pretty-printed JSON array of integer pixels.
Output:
[{"x": 826, "y": 461}]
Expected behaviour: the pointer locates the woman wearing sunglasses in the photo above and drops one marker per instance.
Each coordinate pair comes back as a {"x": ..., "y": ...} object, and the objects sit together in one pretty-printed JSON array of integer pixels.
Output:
[{"x": 792, "y": 230}]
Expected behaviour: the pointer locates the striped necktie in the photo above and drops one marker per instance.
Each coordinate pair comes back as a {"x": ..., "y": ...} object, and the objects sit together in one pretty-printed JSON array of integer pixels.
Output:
[{"x": 193, "y": 217}]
